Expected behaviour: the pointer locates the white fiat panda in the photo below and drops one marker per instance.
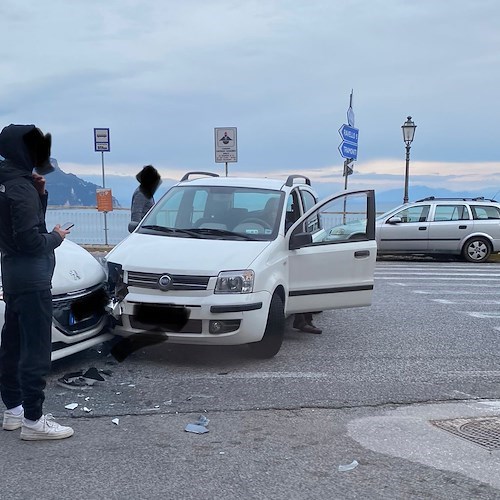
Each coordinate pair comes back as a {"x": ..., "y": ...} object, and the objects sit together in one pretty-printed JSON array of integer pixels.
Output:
[{"x": 239, "y": 255}]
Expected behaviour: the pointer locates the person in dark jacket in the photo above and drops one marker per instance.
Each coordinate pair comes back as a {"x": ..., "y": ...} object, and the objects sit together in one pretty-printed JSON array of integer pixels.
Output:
[
  {"x": 143, "y": 198},
  {"x": 27, "y": 264}
]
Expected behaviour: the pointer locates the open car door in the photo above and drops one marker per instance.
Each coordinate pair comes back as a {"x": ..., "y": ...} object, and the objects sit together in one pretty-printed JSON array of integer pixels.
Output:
[{"x": 328, "y": 272}]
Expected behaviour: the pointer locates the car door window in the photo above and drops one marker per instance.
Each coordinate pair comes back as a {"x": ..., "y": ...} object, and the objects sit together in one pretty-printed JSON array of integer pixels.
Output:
[
  {"x": 292, "y": 209},
  {"x": 484, "y": 212},
  {"x": 345, "y": 218},
  {"x": 450, "y": 212},
  {"x": 417, "y": 213},
  {"x": 308, "y": 200}
]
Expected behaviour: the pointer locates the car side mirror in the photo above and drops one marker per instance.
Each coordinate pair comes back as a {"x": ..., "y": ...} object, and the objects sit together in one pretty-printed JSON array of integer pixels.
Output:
[
  {"x": 394, "y": 220},
  {"x": 132, "y": 225},
  {"x": 298, "y": 240}
]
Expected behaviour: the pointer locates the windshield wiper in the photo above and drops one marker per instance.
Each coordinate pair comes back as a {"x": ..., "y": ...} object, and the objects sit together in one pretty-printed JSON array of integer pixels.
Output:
[
  {"x": 171, "y": 230},
  {"x": 221, "y": 232}
]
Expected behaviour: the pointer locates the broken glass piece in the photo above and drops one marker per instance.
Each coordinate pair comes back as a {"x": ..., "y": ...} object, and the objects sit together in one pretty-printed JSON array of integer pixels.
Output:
[
  {"x": 202, "y": 420},
  {"x": 116, "y": 421},
  {"x": 71, "y": 406},
  {"x": 346, "y": 467},
  {"x": 197, "y": 429}
]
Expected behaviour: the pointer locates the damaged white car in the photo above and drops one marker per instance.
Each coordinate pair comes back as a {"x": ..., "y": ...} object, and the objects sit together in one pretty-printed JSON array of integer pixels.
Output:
[
  {"x": 239, "y": 255},
  {"x": 78, "y": 295}
]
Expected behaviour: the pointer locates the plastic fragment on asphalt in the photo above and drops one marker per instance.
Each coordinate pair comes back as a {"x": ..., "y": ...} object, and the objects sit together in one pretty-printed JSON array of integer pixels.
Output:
[
  {"x": 347, "y": 467},
  {"x": 86, "y": 409},
  {"x": 116, "y": 421},
  {"x": 202, "y": 420},
  {"x": 71, "y": 406},
  {"x": 93, "y": 374},
  {"x": 196, "y": 429}
]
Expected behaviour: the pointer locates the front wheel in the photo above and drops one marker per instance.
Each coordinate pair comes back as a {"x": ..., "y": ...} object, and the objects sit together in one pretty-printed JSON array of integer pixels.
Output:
[
  {"x": 476, "y": 250},
  {"x": 271, "y": 342}
]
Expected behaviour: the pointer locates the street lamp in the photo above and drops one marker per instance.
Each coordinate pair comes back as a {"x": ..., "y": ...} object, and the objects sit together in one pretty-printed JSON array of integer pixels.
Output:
[{"x": 408, "y": 134}]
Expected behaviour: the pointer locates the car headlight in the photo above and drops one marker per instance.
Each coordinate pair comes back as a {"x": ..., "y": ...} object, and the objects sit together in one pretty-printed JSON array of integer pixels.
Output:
[
  {"x": 235, "y": 281},
  {"x": 338, "y": 230}
]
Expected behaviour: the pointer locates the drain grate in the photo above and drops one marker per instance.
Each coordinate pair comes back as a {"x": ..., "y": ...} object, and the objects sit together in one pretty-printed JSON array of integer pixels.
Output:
[{"x": 483, "y": 431}]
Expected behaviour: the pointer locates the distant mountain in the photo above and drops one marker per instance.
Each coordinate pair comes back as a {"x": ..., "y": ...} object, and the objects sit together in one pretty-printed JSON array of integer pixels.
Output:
[{"x": 69, "y": 190}]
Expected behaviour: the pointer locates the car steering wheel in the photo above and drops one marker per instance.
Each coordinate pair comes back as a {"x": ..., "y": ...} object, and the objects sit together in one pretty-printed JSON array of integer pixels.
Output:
[{"x": 255, "y": 220}]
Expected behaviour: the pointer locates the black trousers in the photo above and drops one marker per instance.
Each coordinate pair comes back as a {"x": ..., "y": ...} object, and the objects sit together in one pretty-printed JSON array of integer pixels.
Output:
[{"x": 25, "y": 351}]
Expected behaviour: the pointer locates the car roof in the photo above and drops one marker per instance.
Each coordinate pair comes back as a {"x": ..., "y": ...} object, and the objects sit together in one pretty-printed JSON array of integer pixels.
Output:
[
  {"x": 444, "y": 201},
  {"x": 248, "y": 182}
]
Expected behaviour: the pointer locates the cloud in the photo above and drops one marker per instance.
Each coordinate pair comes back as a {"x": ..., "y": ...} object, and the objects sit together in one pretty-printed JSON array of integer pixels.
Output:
[{"x": 162, "y": 74}]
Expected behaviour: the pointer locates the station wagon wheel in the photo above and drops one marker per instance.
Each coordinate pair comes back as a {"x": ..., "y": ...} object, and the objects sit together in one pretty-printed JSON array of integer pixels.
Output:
[
  {"x": 476, "y": 250},
  {"x": 271, "y": 342}
]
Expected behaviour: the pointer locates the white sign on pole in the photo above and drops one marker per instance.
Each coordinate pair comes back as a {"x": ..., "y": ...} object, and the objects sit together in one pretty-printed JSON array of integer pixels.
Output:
[
  {"x": 101, "y": 139},
  {"x": 226, "y": 149}
]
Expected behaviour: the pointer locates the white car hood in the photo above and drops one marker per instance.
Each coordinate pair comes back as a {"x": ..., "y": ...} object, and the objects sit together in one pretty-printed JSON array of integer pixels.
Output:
[
  {"x": 151, "y": 253},
  {"x": 76, "y": 269}
]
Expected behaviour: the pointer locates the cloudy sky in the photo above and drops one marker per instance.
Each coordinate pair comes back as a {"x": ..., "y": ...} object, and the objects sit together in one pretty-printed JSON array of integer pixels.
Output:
[{"x": 162, "y": 74}]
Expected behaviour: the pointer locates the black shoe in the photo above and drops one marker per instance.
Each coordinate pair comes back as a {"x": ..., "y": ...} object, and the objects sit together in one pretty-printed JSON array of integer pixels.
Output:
[{"x": 310, "y": 329}]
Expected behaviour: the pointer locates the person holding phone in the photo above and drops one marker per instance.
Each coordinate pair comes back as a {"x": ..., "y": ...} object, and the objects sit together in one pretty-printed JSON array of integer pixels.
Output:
[{"x": 27, "y": 264}]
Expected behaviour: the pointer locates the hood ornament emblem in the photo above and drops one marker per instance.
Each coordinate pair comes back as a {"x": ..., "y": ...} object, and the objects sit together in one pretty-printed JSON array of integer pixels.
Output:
[
  {"x": 165, "y": 282},
  {"x": 74, "y": 275}
]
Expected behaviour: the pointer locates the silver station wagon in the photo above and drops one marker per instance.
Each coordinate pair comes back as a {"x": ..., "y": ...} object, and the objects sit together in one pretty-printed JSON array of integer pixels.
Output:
[{"x": 452, "y": 226}]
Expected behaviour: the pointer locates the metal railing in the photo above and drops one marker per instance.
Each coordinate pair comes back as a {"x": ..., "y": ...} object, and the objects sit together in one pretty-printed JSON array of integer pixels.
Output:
[{"x": 89, "y": 224}]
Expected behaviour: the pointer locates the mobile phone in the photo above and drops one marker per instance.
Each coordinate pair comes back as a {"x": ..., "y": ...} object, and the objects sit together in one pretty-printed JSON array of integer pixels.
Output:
[{"x": 67, "y": 225}]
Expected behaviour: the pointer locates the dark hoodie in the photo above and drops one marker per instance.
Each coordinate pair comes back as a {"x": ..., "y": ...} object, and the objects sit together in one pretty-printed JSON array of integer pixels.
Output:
[
  {"x": 142, "y": 199},
  {"x": 27, "y": 248}
]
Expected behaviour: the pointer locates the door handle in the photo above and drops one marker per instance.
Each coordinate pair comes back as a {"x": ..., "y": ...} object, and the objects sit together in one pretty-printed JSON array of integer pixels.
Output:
[
  {"x": 462, "y": 227},
  {"x": 422, "y": 228},
  {"x": 359, "y": 254}
]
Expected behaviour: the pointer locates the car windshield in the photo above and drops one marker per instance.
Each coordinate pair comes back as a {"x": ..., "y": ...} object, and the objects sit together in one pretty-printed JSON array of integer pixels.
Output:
[{"x": 216, "y": 212}]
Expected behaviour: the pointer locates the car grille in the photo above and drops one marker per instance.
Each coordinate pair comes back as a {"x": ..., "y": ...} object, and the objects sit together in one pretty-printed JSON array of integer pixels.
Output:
[
  {"x": 79, "y": 312},
  {"x": 179, "y": 281}
]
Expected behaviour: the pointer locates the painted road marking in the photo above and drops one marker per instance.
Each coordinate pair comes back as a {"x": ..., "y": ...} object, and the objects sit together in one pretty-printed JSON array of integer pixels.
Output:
[
  {"x": 447, "y": 301},
  {"x": 483, "y": 315}
]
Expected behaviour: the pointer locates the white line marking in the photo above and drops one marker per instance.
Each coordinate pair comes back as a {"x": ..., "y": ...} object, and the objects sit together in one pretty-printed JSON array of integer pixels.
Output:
[
  {"x": 468, "y": 301},
  {"x": 438, "y": 274},
  {"x": 444, "y": 279},
  {"x": 483, "y": 315},
  {"x": 447, "y": 292}
]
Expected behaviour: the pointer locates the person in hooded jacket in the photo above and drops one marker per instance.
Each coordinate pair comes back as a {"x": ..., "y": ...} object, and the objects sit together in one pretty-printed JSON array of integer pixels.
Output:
[
  {"x": 143, "y": 198},
  {"x": 27, "y": 264}
]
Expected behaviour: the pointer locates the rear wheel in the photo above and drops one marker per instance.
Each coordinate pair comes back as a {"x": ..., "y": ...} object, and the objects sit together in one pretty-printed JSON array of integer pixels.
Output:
[
  {"x": 476, "y": 250},
  {"x": 271, "y": 342}
]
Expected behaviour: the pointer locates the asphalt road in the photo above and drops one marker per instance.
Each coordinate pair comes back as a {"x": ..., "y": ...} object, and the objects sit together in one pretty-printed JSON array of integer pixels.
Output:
[{"x": 364, "y": 390}]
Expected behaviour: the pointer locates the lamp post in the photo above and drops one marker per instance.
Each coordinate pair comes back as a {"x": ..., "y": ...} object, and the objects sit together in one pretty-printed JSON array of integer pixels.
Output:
[{"x": 408, "y": 134}]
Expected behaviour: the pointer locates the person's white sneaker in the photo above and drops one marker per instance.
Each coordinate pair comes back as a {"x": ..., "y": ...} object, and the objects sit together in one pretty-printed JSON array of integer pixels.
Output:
[
  {"x": 11, "y": 421},
  {"x": 45, "y": 428}
]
